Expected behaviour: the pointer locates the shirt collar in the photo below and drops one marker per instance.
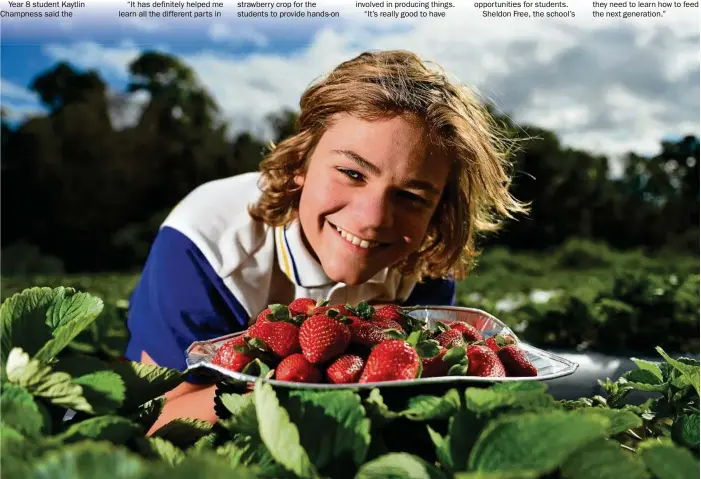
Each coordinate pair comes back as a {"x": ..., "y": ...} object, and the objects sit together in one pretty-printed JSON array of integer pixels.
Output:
[{"x": 299, "y": 265}]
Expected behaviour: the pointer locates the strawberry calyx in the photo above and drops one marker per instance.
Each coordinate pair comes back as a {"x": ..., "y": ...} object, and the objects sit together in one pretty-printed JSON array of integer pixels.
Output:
[
  {"x": 258, "y": 368},
  {"x": 441, "y": 327},
  {"x": 363, "y": 310},
  {"x": 257, "y": 344},
  {"x": 278, "y": 312},
  {"x": 457, "y": 361},
  {"x": 334, "y": 313},
  {"x": 393, "y": 333},
  {"x": 320, "y": 303},
  {"x": 425, "y": 347}
]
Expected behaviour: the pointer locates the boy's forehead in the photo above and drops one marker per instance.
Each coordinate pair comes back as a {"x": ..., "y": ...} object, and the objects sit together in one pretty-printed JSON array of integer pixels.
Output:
[{"x": 402, "y": 136}]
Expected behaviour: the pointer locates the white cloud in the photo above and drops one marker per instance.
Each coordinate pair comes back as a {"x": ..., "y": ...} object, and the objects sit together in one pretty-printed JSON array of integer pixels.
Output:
[
  {"x": 607, "y": 87},
  {"x": 12, "y": 91},
  {"x": 110, "y": 60},
  {"x": 234, "y": 35}
]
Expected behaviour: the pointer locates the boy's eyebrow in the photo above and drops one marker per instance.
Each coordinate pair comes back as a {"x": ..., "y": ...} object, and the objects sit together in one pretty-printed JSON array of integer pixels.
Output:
[{"x": 418, "y": 184}]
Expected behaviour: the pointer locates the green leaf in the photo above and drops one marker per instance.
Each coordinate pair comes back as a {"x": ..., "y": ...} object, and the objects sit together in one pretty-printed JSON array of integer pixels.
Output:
[
  {"x": 256, "y": 368},
  {"x": 19, "y": 410},
  {"x": 485, "y": 401},
  {"x": 23, "y": 321},
  {"x": 331, "y": 424},
  {"x": 248, "y": 451},
  {"x": 486, "y": 475},
  {"x": 649, "y": 366},
  {"x": 424, "y": 408},
  {"x": 688, "y": 371},
  {"x": 533, "y": 443},
  {"x": 144, "y": 382},
  {"x": 205, "y": 443},
  {"x": 378, "y": 412},
  {"x": 643, "y": 377},
  {"x": 104, "y": 390},
  {"x": 442, "y": 445},
  {"x": 39, "y": 380},
  {"x": 89, "y": 461},
  {"x": 463, "y": 431},
  {"x": 279, "y": 434},
  {"x": 69, "y": 314},
  {"x": 619, "y": 420},
  {"x": 667, "y": 460},
  {"x": 243, "y": 413},
  {"x": 183, "y": 432},
  {"x": 164, "y": 450},
  {"x": 115, "y": 429},
  {"x": 603, "y": 460},
  {"x": 207, "y": 465},
  {"x": 521, "y": 387},
  {"x": 398, "y": 465},
  {"x": 685, "y": 430},
  {"x": 147, "y": 414}
]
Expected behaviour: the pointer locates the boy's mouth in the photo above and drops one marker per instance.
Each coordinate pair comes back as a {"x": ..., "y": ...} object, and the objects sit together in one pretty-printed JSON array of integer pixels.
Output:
[{"x": 355, "y": 240}]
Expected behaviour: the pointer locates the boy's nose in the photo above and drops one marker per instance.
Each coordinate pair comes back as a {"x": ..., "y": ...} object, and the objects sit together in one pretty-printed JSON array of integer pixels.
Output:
[{"x": 375, "y": 210}]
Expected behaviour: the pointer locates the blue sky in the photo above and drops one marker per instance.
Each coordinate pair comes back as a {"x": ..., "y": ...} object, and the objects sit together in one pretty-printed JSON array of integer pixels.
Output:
[{"x": 607, "y": 87}]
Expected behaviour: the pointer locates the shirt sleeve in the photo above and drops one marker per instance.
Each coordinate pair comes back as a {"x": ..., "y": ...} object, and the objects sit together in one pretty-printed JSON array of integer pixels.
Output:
[
  {"x": 433, "y": 292},
  {"x": 179, "y": 299}
]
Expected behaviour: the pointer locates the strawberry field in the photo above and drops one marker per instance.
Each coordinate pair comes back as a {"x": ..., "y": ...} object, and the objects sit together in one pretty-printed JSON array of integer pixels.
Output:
[{"x": 70, "y": 409}]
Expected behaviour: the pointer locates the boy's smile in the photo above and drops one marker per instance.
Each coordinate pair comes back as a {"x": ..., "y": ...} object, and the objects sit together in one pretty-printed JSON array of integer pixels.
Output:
[{"x": 368, "y": 195}]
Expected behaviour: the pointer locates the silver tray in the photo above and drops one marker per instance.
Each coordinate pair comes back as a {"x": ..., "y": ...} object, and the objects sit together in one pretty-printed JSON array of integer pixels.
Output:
[{"x": 550, "y": 366}]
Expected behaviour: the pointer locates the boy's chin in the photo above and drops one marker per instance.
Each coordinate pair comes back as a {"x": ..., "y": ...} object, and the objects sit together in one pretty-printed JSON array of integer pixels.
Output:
[{"x": 349, "y": 276}]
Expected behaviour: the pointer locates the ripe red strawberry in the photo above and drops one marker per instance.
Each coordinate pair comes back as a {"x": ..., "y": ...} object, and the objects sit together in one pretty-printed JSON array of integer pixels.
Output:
[
  {"x": 516, "y": 361},
  {"x": 302, "y": 306},
  {"x": 387, "y": 323},
  {"x": 228, "y": 357},
  {"x": 297, "y": 369},
  {"x": 367, "y": 333},
  {"x": 346, "y": 369},
  {"x": 469, "y": 332},
  {"x": 389, "y": 311},
  {"x": 322, "y": 338},
  {"x": 491, "y": 343},
  {"x": 391, "y": 360},
  {"x": 282, "y": 338},
  {"x": 279, "y": 311},
  {"x": 450, "y": 338},
  {"x": 435, "y": 367},
  {"x": 484, "y": 362},
  {"x": 261, "y": 318}
]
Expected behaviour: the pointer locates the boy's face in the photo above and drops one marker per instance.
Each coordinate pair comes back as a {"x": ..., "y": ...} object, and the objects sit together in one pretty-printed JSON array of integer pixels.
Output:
[{"x": 368, "y": 195}]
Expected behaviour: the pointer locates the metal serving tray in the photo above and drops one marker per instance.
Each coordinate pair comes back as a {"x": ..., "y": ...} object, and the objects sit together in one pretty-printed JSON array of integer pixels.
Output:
[{"x": 549, "y": 365}]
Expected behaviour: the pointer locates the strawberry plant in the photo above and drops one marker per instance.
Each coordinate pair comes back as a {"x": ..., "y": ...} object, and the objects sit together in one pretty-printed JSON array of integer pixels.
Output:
[{"x": 71, "y": 414}]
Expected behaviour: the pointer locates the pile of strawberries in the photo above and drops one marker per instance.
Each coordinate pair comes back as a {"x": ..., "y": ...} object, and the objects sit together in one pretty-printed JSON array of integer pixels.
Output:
[{"x": 313, "y": 342}]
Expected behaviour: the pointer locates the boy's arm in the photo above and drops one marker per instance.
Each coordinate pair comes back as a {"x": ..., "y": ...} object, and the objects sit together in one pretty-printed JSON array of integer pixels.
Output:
[
  {"x": 187, "y": 400},
  {"x": 179, "y": 299}
]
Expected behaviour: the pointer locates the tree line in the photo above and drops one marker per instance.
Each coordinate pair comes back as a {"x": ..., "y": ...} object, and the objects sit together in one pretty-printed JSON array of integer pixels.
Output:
[{"x": 91, "y": 194}]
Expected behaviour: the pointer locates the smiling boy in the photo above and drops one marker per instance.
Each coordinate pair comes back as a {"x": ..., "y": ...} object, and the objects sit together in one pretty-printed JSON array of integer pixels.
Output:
[{"x": 378, "y": 196}]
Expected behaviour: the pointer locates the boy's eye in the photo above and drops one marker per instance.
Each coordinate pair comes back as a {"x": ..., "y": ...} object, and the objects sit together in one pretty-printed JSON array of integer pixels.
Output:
[
  {"x": 352, "y": 174},
  {"x": 414, "y": 198}
]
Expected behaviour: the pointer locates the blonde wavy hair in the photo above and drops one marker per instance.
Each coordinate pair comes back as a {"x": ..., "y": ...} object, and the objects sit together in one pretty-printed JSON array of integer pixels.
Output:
[{"x": 381, "y": 85}]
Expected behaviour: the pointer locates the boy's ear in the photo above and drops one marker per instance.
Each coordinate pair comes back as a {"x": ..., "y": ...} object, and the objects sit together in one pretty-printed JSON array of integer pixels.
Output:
[{"x": 299, "y": 180}]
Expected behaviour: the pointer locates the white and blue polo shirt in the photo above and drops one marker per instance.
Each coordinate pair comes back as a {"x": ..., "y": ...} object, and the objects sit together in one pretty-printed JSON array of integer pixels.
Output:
[{"x": 212, "y": 267}]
